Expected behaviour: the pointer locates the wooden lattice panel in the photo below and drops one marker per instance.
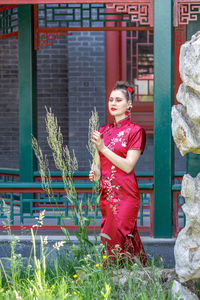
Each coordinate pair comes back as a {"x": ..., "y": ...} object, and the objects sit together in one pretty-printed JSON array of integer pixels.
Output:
[{"x": 8, "y": 20}]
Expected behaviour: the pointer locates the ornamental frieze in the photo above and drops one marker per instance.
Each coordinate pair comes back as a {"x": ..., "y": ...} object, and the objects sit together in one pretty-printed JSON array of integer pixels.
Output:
[
  {"x": 140, "y": 11},
  {"x": 185, "y": 11}
]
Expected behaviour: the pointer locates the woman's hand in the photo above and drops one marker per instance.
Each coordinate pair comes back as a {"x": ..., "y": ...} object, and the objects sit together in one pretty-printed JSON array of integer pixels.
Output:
[
  {"x": 97, "y": 140},
  {"x": 95, "y": 171},
  {"x": 92, "y": 176}
]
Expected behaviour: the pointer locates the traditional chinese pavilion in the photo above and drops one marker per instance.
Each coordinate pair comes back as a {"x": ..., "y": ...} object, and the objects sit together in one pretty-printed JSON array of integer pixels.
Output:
[{"x": 68, "y": 55}]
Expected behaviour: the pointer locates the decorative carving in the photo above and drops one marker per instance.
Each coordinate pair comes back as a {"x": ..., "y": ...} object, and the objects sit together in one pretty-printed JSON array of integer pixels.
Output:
[
  {"x": 47, "y": 38},
  {"x": 141, "y": 12},
  {"x": 185, "y": 11}
]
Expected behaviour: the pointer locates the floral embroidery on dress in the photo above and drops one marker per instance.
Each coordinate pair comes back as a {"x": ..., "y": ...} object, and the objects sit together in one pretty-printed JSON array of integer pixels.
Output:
[
  {"x": 106, "y": 183},
  {"x": 120, "y": 138},
  {"x": 120, "y": 133}
]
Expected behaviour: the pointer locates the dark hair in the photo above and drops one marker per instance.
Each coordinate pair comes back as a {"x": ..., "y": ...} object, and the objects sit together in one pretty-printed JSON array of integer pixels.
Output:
[{"x": 123, "y": 86}]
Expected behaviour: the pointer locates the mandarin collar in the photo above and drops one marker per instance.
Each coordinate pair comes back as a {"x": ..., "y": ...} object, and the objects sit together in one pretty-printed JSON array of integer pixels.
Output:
[{"x": 121, "y": 122}]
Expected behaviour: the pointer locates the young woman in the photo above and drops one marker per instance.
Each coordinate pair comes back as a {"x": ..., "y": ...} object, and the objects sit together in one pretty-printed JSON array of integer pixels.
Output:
[{"x": 119, "y": 146}]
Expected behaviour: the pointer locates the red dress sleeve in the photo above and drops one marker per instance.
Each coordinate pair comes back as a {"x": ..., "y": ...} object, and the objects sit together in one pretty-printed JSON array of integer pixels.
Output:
[
  {"x": 102, "y": 129},
  {"x": 137, "y": 140}
]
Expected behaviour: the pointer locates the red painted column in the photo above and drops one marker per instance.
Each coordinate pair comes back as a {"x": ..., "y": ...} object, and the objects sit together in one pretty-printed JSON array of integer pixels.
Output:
[
  {"x": 180, "y": 38},
  {"x": 113, "y": 61}
]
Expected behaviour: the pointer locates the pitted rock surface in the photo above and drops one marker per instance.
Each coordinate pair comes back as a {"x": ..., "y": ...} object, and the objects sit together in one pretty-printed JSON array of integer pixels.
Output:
[
  {"x": 189, "y": 63},
  {"x": 185, "y": 132},
  {"x": 191, "y": 101},
  {"x": 187, "y": 246}
]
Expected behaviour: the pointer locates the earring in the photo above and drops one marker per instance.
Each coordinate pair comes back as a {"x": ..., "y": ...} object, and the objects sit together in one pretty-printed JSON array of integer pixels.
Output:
[{"x": 127, "y": 112}]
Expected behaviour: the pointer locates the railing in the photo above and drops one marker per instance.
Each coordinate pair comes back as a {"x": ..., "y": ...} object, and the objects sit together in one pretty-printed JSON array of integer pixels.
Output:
[
  {"x": 10, "y": 175},
  {"x": 59, "y": 212}
]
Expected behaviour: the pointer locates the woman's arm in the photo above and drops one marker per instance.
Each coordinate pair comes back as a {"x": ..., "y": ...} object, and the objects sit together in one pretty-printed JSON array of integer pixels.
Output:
[{"x": 125, "y": 164}]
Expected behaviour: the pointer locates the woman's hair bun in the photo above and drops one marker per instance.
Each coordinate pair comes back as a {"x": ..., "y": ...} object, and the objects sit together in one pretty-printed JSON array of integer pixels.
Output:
[{"x": 125, "y": 85}]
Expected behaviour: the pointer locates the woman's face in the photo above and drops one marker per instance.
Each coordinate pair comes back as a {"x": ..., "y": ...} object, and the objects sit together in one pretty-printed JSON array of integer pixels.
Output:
[{"x": 118, "y": 104}]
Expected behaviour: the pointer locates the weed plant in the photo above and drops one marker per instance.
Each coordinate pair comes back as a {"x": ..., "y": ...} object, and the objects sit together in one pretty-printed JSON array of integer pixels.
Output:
[{"x": 92, "y": 277}]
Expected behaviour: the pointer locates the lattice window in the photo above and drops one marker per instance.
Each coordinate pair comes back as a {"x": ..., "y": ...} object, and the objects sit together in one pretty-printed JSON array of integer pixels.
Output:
[
  {"x": 139, "y": 63},
  {"x": 8, "y": 20},
  {"x": 71, "y": 15},
  {"x": 90, "y": 15}
]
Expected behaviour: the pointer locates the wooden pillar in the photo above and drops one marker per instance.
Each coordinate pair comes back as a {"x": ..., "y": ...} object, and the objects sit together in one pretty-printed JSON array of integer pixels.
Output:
[
  {"x": 113, "y": 61},
  {"x": 27, "y": 94},
  {"x": 193, "y": 160},
  {"x": 163, "y": 82}
]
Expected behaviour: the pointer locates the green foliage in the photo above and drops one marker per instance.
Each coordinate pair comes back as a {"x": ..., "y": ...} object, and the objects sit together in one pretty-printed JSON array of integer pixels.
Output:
[{"x": 94, "y": 276}]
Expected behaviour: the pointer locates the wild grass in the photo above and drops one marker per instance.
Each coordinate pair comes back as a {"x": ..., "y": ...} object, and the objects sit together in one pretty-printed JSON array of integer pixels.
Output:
[{"x": 92, "y": 277}]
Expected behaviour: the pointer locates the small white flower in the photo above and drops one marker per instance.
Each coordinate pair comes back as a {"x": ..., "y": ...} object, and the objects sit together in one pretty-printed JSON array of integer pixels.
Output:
[
  {"x": 88, "y": 257},
  {"x": 39, "y": 219},
  {"x": 123, "y": 144},
  {"x": 58, "y": 245},
  {"x": 17, "y": 239},
  {"x": 17, "y": 296},
  {"x": 120, "y": 133},
  {"x": 45, "y": 241},
  {"x": 36, "y": 225}
]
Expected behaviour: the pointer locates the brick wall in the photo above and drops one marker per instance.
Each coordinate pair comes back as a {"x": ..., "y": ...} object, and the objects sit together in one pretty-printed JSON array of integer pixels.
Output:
[
  {"x": 86, "y": 65},
  {"x": 52, "y": 64},
  {"x": 9, "y": 125}
]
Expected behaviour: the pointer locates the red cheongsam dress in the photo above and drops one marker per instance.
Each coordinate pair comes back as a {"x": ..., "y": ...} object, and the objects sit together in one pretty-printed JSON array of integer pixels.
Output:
[{"x": 120, "y": 197}]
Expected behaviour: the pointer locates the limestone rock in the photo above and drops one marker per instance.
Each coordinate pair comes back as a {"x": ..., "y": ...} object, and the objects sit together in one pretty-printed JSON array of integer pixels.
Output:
[
  {"x": 187, "y": 246},
  {"x": 189, "y": 62},
  {"x": 185, "y": 132},
  {"x": 180, "y": 292},
  {"x": 191, "y": 101},
  {"x": 166, "y": 276}
]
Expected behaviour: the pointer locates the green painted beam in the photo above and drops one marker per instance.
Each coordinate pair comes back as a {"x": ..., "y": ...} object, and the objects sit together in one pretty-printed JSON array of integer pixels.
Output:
[
  {"x": 193, "y": 160},
  {"x": 27, "y": 93},
  {"x": 163, "y": 153},
  {"x": 58, "y": 185},
  {"x": 81, "y": 173}
]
